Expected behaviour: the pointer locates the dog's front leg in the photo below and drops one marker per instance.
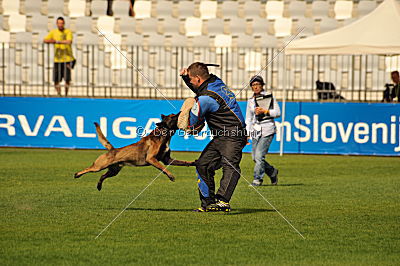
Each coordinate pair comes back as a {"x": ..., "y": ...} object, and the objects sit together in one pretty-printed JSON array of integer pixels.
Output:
[{"x": 154, "y": 162}]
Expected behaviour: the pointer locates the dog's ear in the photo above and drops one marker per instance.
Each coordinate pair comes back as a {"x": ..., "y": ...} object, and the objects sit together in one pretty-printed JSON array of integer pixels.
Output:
[{"x": 163, "y": 116}]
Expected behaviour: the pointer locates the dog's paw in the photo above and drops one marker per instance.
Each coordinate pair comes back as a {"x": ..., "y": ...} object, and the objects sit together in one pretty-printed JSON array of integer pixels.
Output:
[
  {"x": 76, "y": 175},
  {"x": 172, "y": 178},
  {"x": 99, "y": 186}
]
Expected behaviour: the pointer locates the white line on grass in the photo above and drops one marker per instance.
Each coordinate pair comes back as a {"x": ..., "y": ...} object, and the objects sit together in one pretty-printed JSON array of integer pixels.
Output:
[
  {"x": 137, "y": 69},
  {"x": 267, "y": 200},
  {"x": 119, "y": 214}
]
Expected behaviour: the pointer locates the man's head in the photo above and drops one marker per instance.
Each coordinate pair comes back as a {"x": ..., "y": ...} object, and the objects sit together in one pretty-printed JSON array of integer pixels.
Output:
[
  {"x": 395, "y": 77},
  {"x": 257, "y": 84},
  {"x": 60, "y": 23},
  {"x": 198, "y": 73}
]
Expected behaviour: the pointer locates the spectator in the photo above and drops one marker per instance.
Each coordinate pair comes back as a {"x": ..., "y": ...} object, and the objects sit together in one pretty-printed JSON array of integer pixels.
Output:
[
  {"x": 63, "y": 58},
  {"x": 110, "y": 12},
  {"x": 217, "y": 105},
  {"x": 392, "y": 90},
  {"x": 396, "y": 86},
  {"x": 261, "y": 127}
]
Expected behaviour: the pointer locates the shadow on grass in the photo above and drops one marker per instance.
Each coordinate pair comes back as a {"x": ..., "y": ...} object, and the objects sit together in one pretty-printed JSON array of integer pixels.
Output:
[
  {"x": 248, "y": 211},
  {"x": 233, "y": 212},
  {"x": 282, "y": 185}
]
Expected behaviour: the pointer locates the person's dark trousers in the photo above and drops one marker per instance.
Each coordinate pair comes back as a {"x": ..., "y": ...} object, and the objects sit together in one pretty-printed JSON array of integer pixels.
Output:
[{"x": 225, "y": 152}]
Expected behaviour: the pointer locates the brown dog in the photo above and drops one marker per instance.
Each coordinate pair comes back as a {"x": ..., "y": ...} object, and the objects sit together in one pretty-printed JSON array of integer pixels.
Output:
[{"x": 150, "y": 150}]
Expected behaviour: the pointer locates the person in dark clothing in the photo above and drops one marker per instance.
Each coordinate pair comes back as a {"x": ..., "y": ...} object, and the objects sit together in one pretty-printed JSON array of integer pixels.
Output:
[
  {"x": 396, "y": 86},
  {"x": 110, "y": 10},
  {"x": 217, "y": 105},
  {"x": 392, "y": 91}
]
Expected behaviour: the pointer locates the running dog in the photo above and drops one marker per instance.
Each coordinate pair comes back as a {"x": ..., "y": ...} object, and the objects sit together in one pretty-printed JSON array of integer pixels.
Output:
[{"x": 150, "y": 150}]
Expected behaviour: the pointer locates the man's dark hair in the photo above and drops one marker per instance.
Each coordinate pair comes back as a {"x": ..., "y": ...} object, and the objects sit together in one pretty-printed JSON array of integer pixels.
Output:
[
  {"x": 60, "y": 18},
  {"x": 395, "y": 72},
  {"x": 199, "y": 69}
]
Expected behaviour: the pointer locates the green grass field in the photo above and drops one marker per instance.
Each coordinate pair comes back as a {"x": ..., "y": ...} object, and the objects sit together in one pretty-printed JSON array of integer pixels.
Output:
[{"x": 347, "y": 208}]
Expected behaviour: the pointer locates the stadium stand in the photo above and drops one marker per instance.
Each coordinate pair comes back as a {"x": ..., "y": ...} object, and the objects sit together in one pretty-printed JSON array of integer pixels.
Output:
[
  {"x": 307, "y": 24},
  {"x": 297, "y": 9},
  {"x": 31, "y": 7},
  {"x": 142, "y": 9},
  {"x": 16, "y": 23},
  {"x": 319, "y": 9},
  {"x": 98, "y": 8},
  {"x": 186, "y": 9},
  {"x": 283, "y": 27},
  {"x": 229, "y": 9},
  {"x": 236, "y": 25},
  {"x": 55, "y": 8},
  {"x": 170, "y": 25},
  {"x": 208, "y": 9},
  {"x": 120, "y": 8},
  {"x": 166, "y": 35},
  {"x": 327, "y": 24},
  {"x": 260, "y": 26},
  {"x": 365, "y": 7},
  {"x": 193, "y": 26},
  {"x": 252, "y": 9},
  {"x": 11, "y": 7},
  {"x": 213, "y": 26},
  {"x": 274, "y": 9},
  {"x": 343, "y": 9},
  {"x": 164, "y": 9}
]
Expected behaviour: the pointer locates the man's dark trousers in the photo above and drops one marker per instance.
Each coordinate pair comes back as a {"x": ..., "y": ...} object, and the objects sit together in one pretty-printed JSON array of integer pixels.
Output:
[{"x": 225, "y": 152}]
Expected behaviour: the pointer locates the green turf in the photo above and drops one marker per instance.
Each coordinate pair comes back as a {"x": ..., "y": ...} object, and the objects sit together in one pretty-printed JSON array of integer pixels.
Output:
[{"x": 346, "y": 207}]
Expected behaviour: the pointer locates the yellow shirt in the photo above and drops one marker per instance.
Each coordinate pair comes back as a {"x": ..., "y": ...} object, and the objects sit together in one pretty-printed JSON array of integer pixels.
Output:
[{"x": 62, "y": 52}]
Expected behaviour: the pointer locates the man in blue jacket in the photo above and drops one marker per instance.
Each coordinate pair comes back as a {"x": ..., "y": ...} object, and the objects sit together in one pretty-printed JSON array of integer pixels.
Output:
[{"x": 216, "y": 105}]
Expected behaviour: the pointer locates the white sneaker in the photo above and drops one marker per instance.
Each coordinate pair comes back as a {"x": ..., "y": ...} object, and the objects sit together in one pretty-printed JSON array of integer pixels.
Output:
[{"x": 256, "y": 183}]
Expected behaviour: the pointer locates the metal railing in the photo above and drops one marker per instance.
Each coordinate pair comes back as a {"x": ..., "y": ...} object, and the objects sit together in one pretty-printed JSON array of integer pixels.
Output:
[{"x": 101, "y": 71}]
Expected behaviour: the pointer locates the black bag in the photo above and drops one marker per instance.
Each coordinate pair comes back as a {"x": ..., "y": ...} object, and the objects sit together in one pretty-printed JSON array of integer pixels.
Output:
[{"x": 73, "y": 62}]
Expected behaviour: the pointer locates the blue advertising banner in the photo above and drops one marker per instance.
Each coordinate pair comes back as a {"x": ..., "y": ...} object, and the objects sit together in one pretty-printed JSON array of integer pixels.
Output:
[{"x": 320, "y": 128}]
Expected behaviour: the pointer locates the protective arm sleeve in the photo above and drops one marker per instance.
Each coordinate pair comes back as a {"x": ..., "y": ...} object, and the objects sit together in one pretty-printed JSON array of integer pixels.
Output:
[{"x": 203, "y": 106}]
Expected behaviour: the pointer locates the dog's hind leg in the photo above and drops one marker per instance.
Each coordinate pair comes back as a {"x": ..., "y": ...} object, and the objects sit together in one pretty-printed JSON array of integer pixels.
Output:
[
  {"x": 101, "y": 163},
  {"x": 113, "y": 170}
]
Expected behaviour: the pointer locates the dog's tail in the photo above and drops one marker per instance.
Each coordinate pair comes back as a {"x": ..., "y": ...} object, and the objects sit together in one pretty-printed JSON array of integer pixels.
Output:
[{"x": 103, "y": 139}]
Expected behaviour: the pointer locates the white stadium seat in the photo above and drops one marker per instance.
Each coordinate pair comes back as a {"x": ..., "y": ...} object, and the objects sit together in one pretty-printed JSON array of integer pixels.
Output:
[
  {"x": 274, "y": 9},
  {"x": 193, "y": 26},
  {"x": 208, "y": 9},
  {"x": 17, "y": 23},
  {"x": 106, "y": 24},
  {"x": 283, "y": 27},
  {"x": 142, "y": 9},
  {"x": 76, "y": 8},
  {"x": 10, "y": 7},
  {"x": 343, "y": 9}
]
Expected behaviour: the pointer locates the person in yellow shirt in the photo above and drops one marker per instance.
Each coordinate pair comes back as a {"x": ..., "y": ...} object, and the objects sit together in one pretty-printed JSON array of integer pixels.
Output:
[{"x": 63, "y": 58}]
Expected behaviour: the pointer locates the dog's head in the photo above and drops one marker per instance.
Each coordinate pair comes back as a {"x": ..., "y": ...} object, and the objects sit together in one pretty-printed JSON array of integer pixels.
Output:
[{"x": 169, "y": 121}]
